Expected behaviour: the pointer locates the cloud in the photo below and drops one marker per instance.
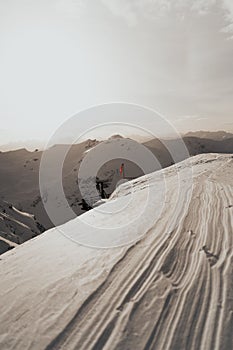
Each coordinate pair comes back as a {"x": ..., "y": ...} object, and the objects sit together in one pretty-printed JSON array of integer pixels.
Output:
[
  {"x": 123, "y": 8},
  {"x": 202, "y": 7},
  {"x": 228, "y": 9},
  {"x": 132, "y": 10},
  {"x": 228, "y": 6},
  {"x": 71, "y": 8},
  {"x": 189, "y": 117}
]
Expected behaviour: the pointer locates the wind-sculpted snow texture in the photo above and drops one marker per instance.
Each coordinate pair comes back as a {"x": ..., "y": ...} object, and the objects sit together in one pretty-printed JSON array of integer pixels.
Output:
[{"x": 172, "y": 289}]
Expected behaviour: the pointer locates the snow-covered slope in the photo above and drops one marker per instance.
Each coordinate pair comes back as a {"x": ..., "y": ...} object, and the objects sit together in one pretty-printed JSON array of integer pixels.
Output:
[
  {"x": 19, "y": 171},
  {"x": 170, "y": 288},
  {"x": 16, "y": 226}
]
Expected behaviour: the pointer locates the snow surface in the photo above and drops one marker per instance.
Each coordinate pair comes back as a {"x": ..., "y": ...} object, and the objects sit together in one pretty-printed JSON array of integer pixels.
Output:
[{"x": 46, "y": 281}]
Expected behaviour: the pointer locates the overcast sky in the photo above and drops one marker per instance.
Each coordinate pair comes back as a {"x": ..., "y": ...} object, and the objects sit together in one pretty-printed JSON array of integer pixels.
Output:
[{"x": 58, "y": 57}]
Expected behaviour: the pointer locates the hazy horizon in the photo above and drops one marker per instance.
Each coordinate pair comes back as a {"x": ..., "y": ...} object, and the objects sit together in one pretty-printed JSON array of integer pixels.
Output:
[{"x": 31, "y": 145}]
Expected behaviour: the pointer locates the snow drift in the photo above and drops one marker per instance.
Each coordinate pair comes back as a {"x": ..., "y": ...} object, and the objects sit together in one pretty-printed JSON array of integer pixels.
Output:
[{"x": 170, "y": 288}]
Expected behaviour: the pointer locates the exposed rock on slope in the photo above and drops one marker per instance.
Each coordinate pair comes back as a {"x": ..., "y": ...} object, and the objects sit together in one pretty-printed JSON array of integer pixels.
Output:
[
  {"x": 16, "y": 227},
  {"x": 171, "y": 290},
  {"x": 211, "y": 135}
]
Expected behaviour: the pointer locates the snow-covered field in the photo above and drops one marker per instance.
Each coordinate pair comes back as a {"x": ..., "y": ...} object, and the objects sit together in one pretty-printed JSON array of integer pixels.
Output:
[{"x": 157, "y": 273}]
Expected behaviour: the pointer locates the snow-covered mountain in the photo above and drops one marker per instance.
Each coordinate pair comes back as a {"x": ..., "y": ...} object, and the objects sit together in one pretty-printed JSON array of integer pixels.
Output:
[
  {"x": 165, "y": 281},
  {"x": 19, "y": 171}
]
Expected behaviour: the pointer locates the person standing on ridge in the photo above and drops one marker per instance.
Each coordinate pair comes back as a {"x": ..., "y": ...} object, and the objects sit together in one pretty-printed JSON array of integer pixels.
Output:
[{"x": 122, "y": 170}]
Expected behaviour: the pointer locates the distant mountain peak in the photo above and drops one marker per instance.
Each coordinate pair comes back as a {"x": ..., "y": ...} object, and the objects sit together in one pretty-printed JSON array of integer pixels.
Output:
[
  {"x": 213, "y": 135},
  {"x": 116, "y": 136}
]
